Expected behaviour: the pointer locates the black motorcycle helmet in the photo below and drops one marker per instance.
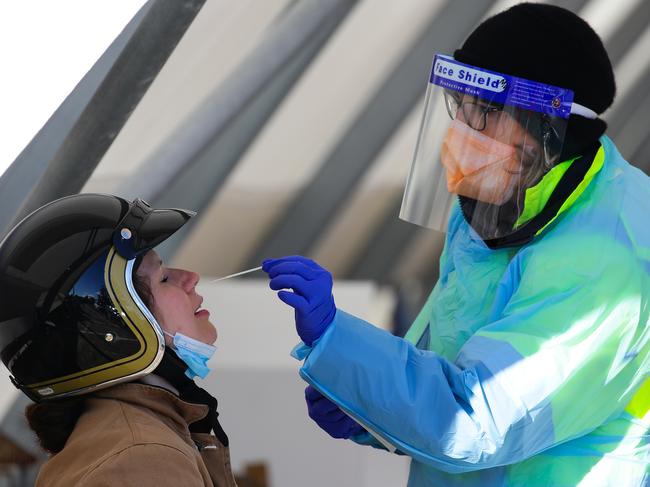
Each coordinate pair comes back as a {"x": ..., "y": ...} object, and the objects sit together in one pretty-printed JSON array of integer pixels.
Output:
[{"x": 70, "y": 318}]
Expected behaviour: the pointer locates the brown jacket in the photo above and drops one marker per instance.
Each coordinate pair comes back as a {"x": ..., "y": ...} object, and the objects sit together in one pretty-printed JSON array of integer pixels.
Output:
[{"x": 137, "y": 435}]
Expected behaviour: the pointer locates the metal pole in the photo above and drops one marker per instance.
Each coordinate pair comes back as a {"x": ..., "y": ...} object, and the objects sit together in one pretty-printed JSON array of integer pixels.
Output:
[{"x": 223, "y": 106}]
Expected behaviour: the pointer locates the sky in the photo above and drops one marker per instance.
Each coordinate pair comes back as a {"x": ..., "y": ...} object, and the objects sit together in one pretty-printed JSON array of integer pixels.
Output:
[{"x": 46, "y": 47}]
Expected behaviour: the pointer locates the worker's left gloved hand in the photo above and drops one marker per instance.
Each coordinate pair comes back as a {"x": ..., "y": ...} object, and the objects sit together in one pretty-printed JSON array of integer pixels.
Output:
[
  {"x": 329, "y": 416},
  {"x": 311, "y": 298}
]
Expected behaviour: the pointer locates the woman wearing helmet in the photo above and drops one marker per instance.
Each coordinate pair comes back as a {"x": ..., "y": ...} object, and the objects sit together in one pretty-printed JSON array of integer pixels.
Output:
[{"x": 106, "y": 341}]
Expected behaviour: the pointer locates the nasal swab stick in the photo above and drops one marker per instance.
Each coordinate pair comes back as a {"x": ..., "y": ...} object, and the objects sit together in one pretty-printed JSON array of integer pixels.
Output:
[{"x": 237, "y": 274}]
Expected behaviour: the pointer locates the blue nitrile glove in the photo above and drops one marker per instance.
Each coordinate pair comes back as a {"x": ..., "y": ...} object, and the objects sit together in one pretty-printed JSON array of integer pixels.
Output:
[
  {"x": 312, "y": 293},
  {"x": 329, "y": 417}
]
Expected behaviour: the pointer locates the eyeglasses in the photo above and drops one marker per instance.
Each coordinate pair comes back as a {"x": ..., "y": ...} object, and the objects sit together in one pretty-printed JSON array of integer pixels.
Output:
[{"x": 474, "y": 112}]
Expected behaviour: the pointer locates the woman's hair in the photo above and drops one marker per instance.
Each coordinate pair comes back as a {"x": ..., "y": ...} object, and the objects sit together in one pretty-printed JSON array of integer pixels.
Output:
[
  {"x": 143, "y": 289},
  {"x": 53, "y": 421}
]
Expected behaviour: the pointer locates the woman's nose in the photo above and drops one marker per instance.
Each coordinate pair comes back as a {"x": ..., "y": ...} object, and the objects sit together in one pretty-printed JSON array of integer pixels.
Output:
[
  {"x": 191, "y": 280},
  {"x": 194, "y": 278},
  {"x": 187, "y": 279}
]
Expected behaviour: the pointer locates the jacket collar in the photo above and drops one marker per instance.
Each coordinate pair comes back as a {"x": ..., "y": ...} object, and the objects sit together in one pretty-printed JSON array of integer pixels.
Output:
[
  {"x": 157, "y": 381},
  {"x": 176, "y": 412}
]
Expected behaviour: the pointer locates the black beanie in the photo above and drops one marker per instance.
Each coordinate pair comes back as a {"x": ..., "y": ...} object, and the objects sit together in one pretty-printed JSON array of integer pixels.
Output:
[{"x": 551, "y": 45}]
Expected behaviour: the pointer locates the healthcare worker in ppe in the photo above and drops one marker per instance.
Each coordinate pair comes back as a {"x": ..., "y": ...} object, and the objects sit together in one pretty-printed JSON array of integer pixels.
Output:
[
  {"x": 529, "y": 363},
  {"x": 106, "y": 340}
]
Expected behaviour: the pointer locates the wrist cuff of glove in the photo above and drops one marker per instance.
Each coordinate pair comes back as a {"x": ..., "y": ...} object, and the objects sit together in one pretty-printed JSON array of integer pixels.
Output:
[{"x": 301, "y": 351}]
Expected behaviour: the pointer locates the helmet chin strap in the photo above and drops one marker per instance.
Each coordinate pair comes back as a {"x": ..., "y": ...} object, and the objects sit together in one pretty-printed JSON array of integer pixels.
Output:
[{"x": 172, "y": 369}]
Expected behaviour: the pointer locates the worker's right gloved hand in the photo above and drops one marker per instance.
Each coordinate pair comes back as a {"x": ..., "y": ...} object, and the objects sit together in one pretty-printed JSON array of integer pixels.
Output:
[
  {"x": 329, "y": 417},
  {"x": 310, "y": 295}
]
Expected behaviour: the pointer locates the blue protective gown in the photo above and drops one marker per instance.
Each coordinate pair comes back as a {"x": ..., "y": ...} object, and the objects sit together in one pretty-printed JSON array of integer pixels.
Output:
[{"x": 526, "y": 367}]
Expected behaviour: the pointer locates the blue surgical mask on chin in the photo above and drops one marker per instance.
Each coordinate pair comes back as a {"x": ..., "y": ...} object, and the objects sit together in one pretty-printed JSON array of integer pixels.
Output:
[{"x": 194, "y": 353}]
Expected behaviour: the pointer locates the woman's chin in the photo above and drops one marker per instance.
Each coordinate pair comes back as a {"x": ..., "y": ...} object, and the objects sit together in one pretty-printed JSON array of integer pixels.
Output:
[{"x": 215, "y": 334}]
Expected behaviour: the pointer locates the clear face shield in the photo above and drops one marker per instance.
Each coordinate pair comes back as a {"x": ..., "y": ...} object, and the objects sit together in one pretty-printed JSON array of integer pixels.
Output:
[{"x": 485, "y": 138}]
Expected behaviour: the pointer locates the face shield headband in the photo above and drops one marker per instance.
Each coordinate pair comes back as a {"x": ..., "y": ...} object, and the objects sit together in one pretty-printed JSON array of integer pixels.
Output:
[{"x": 485, "y": 137}]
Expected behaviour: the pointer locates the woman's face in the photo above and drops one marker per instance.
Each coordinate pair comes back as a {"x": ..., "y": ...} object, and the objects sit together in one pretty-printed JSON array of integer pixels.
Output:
[{"x": 177, "y": 306}]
